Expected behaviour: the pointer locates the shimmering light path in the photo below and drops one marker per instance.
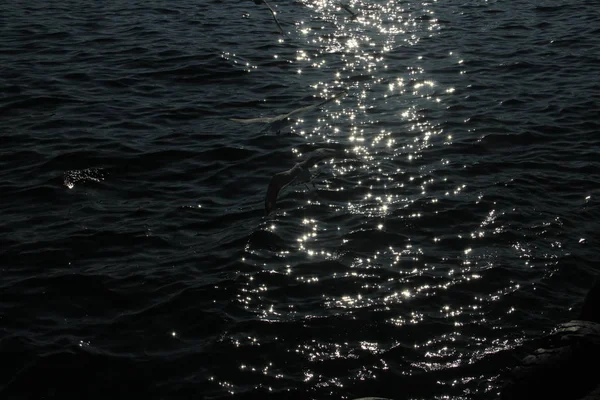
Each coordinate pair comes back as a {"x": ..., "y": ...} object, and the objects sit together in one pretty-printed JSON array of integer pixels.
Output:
[{"x": 393, "y": 288}]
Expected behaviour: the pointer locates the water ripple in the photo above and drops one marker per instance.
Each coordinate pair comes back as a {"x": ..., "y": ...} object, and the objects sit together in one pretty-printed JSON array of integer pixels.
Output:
[{"x": 459, "y": 224}]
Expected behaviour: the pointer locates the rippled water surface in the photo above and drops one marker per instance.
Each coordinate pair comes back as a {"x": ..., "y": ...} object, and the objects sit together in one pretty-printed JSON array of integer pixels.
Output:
[{"x": 457, "y": 221}]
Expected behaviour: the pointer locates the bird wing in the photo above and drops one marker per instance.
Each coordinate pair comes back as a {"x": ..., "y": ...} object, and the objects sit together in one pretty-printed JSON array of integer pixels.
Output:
[
  {"x": 263, "y": 120},
  {"x": 274, "y": 17},
  {"x": 272, "y": 193},
  {"x": 297, "y": 174},
  {"x": 312, "y": 107},
  {"x": 301, "y": 110},
  {"x": 278, "y": 182},
  {"x": 347, "y": 8},
  {"x": 281, "y": 117}
]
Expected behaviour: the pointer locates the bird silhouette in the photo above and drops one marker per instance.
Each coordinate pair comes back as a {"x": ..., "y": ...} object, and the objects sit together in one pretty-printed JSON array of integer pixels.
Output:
[
  {"x": 277, "y": 123},
  {"x": 347, "y": 8},
  {"x": 299, "y": 173}
]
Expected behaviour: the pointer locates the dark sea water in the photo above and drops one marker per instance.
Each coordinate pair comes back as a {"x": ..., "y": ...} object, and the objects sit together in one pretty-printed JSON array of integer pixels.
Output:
[{"x": 135, "y": 255}]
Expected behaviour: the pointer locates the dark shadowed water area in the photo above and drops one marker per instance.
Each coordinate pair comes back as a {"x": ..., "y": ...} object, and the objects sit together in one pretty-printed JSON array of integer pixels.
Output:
[{"x": 458, "y": 220}]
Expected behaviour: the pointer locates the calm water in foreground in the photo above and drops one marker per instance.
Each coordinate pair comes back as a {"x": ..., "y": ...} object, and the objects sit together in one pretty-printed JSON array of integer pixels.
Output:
[{"x": 135, "y": 254}]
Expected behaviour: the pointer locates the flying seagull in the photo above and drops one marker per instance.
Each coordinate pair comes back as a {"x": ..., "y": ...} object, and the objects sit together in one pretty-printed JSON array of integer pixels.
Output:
[
  {"x": 299, "y": 173},
  {"x": 272, "y": 13},
  {"x": 279, "y": 122},
  {"x": 347, "y": 8}
]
